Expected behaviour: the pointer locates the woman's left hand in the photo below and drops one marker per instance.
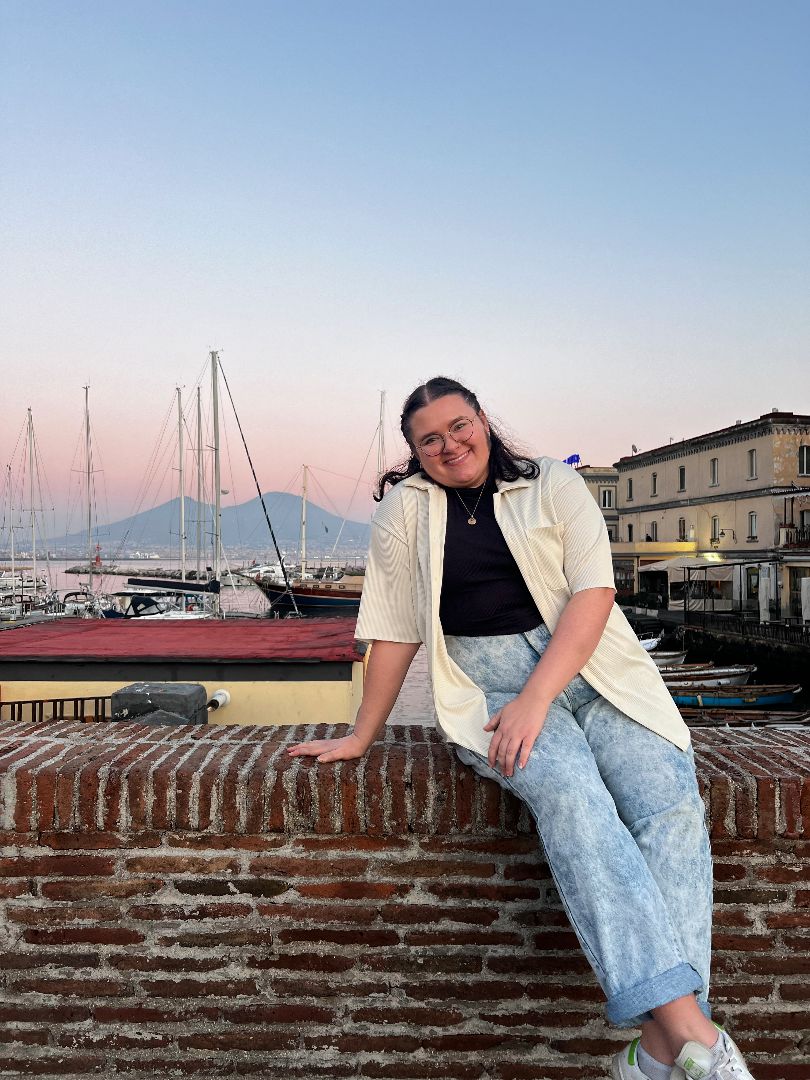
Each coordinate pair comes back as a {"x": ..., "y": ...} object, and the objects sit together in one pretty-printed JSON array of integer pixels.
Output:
[{"x": 516, "y": 728}]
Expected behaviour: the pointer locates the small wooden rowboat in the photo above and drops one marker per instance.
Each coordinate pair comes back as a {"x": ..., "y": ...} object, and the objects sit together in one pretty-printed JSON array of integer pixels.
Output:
[
  {"x": 740, "y": 697},
  {"x": 668, "y": 658},
  {"x": 744, "y": 718},
  {"x": 731, "y": 675}
]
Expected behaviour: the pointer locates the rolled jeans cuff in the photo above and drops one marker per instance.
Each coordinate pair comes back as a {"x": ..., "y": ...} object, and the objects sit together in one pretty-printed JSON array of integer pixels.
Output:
[{"x": 633, "y": 1006}]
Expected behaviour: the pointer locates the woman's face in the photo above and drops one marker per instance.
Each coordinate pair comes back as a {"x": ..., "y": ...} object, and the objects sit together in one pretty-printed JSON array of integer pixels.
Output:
[{"x": 458, "y": 463}]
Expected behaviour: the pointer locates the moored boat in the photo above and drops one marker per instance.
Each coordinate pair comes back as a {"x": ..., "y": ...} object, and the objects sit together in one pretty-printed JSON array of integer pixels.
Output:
[
  {"x": 340, "y": 596},
  {"x": 730, "y": 717},
  {"x": 668, "y": 658},
  {"x": 753, "y": 696},
  {"x": 731, "y": 675}
]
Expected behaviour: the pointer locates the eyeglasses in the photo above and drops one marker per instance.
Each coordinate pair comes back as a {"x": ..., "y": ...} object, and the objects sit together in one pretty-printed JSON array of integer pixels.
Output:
[{"x": 460, "y": 432}]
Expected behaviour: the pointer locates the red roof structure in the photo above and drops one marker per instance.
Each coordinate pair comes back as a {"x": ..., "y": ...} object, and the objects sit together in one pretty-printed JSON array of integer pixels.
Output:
[{"x": 214, "y": 640}]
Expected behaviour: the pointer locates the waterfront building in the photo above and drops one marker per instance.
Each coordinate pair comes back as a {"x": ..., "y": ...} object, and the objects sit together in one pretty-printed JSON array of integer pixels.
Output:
[
  {"x": 739, "y": 495},
  {"x": 602, "y": 482}
]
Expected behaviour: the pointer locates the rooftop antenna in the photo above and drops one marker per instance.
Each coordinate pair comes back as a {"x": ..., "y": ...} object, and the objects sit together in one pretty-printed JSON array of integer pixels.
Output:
[{"x": 634, "y": 448}]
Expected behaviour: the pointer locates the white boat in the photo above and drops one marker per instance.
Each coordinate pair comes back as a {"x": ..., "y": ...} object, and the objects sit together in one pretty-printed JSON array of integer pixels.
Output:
[
  {"x": 651, "y": 640},
  {"x": 668, "y": 659},
  {"x": 731, "y": 675}
]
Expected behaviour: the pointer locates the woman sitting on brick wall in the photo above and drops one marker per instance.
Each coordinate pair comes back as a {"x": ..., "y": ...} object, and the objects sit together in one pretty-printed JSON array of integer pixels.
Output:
[{"x": 501, "y": 567}]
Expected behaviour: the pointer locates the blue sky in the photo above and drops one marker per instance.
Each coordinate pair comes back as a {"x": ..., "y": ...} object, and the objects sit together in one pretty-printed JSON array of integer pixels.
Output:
[{"x": 596, "y": 214}]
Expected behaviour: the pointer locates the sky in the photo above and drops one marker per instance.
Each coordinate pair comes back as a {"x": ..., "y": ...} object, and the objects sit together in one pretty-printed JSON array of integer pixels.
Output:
[{"x": 593, "y": 213}]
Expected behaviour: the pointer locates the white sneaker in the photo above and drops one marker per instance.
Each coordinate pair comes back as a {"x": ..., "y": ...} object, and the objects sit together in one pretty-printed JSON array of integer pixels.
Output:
[
  {"x": 624, "y": 1065},
  {"x": 698, "y": 1062}
]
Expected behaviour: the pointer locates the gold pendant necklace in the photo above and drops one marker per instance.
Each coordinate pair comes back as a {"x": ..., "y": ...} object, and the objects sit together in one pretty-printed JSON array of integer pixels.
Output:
[{"x": 471, "y": 520}]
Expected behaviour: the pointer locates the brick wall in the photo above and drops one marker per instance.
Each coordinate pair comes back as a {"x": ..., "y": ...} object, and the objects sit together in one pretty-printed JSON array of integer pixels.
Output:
[{"x": 188, "y": 902}]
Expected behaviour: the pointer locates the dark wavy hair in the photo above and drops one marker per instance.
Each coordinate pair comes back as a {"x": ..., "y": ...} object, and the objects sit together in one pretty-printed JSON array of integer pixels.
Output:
[{"x": 505, "y": 461}]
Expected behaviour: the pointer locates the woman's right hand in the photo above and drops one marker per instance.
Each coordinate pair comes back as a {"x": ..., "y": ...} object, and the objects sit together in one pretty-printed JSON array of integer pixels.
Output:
[{"x": 345, "y": 749}]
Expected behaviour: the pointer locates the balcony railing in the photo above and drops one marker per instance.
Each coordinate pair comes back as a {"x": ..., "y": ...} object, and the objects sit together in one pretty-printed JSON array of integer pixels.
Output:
[
  {"x": 35, "y": 711},
  {"x": 794, "y": 536}
]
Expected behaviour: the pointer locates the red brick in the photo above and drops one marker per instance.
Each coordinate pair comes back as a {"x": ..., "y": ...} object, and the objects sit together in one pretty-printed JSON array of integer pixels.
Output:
[
  {"x": 167, "y": 912},
  {"x": 9, "y": 890},
  {"x": 432, "y": 913},
  {"x": 787, "y": 919},
  {"x": 89, "y": 935},
  {"x": 287, "y": 866},
  {"x": 321, "y": 913},
  {"x": 97, "y": 841},
  {"x": 420, "y": 1070},
  {"x": 779, "y": 875},
  {"x": 216, "y": 939},
  {"x": 352, "y": 890},
  {"x": 223, "y": 841},
  {"x": 25, "y": 961},
  {"x": 462, "y": 937},
  {"x": 419, "y": 964},
  {"x": 26, "y": 1037},
  {"x": 497, "y": 893},
  {"x": 483, "y": 990},
  {"x": 58, "y": 866},
  {"x": 181, "y": 988},
  {"x": 795, "y": 991},
  {"x": 181, "y": 864},
  {"x": 279, "y": 1014},
  {"x": 414, "y": 869},
  {"x": 50, "y": 916},
  {"x": 729, "y": 872},
  {"x": 744, "y": 942},
  {"x": 255, "y": 1041},
  {"x": 420, "y": 1017},
  {"x": 351, "y": 843},
  {"x": 738, "y": 993},
  {"x": 301, "y": 962},
  {"x": 71, "y": 987},
  {"x": 773, "y": 1020},
  {"x": 377, "y": 1044},
  {"x": 78, "y": 889},
  {"x": 93, "y": 1040},
  {"x": 50, "y": 1014},
  {"x": 369, "y": 939},
  {"x": 167, "y": 963},
  {"x": 56, "y": 1064}
]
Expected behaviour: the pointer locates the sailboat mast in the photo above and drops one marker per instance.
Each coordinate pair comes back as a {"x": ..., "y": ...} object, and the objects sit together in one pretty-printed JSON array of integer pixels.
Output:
[
  {"x": 381, "y": 438},
  {"x": 182, "y": 485},
  {"x": 304, "y": 526},
  {"x": 217, "y": 483},
  {"x": 11, "y": 534},
  {"x": 88, "y": 465},
  {"x": 31, "y": 496},
  {"x": 199, "y": 483}
]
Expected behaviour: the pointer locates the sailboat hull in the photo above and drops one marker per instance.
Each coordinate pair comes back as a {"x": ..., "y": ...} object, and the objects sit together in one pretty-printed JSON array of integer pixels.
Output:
[{"x": 316, "y": 598}]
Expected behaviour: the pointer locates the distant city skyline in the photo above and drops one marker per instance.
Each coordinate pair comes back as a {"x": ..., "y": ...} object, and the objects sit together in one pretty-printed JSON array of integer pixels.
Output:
[{"x": 593, "y": 214}]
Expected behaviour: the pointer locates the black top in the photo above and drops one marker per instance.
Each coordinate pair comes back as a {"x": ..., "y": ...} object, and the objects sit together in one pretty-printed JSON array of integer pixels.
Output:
[{"x": 483, "y": 592}]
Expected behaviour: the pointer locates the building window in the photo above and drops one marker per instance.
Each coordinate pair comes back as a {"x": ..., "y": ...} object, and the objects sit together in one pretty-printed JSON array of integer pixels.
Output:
[
  {"x": 716, "y": 526},
  {"x": 629, "y": 488},
  {"x": 804, "y": 461},
  {"x": 804, "y": 519},
  {"x": 607, "y": 498},
  {"x": 752, "y": 525},
  {"x": 681, "y": 529},
  {"x": 681, "y": 478},
  {"x": 654, "y": 484},
  {"x": 752, "y": 464},
  {"x": 629, "y": 534},
  {"x": 611, "y": 533},
  {"x": 652, "y": 533},
  {"x": 714, "y": 472}
]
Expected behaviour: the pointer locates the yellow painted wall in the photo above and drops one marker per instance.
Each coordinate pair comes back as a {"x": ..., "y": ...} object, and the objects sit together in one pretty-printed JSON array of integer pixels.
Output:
[{"x": 267, "y": 703}]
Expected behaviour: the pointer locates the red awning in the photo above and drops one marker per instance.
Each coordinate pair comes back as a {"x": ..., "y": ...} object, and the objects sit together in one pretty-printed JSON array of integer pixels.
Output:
[{"x": 251, "y": 640}]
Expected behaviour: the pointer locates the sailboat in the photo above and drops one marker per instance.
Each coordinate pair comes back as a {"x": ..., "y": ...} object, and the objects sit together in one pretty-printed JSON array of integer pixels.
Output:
[{"x": 334, "y": 595}]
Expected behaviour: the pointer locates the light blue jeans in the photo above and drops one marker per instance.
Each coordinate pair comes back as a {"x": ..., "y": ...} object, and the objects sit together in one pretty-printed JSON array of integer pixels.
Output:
[{"x": 620, "y": 817}]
